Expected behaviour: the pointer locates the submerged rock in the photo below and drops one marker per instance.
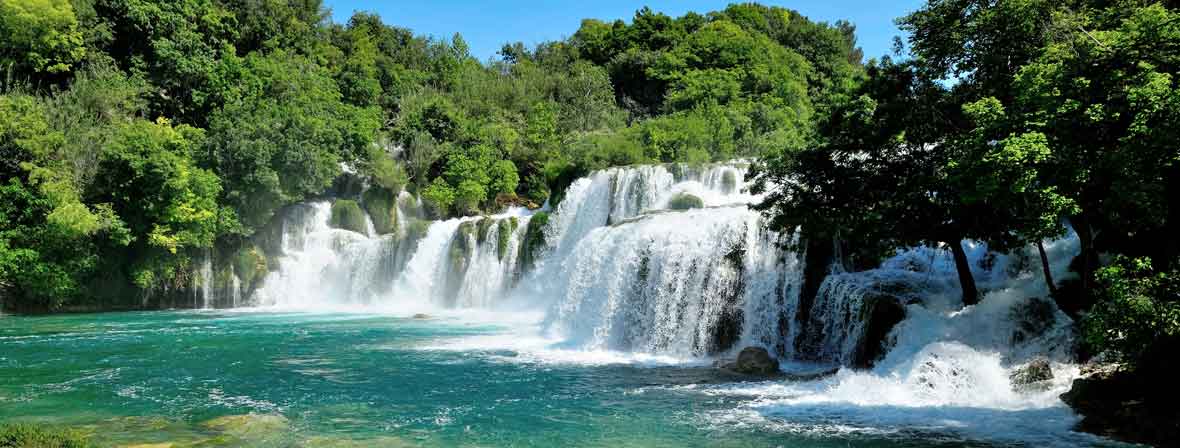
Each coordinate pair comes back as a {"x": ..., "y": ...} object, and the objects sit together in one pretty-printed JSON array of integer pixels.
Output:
[{"x": 249, "y": 426}]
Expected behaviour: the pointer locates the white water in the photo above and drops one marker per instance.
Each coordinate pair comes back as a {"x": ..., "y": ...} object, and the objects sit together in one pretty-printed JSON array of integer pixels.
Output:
[{"x": 621, "y": 279}]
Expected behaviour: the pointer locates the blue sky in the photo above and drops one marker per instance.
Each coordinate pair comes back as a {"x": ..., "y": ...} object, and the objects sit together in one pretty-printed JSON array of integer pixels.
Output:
[{"x": 488, "y": 24}]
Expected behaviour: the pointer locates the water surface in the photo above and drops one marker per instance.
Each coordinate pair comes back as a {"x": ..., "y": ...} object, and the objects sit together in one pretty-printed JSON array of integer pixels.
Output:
[{"x": 284, "y": 379}]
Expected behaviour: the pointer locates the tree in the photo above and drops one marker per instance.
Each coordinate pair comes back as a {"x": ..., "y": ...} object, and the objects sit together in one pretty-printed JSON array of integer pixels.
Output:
[
  {"x": 283, "y": 134},
  {"x": 41, "y": 39}
]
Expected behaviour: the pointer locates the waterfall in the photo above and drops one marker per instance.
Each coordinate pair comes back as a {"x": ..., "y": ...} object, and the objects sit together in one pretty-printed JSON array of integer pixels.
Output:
[{"x": 619, "y": 271}]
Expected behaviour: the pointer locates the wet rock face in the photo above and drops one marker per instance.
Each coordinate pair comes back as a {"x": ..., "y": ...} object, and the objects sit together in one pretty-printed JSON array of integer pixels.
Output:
[
  {"x": 755, "y": 361},
  {"x": 881, "y": 312}
]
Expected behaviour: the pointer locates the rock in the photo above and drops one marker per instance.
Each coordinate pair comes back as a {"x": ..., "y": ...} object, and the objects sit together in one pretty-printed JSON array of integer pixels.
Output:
[
  {"x": 755, "y": 361},
  {"x": 882, "y": 310},
  {"x": 382, "y": 207},
  {"x": 1033, "y": 317},
  {"x": 1125, "y": 405},
  {"x": 1032, "y": 376}
]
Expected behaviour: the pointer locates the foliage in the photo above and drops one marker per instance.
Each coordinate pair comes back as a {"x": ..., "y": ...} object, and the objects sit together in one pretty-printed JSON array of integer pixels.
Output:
[
  {"x": 283, "y": 134},
  {"x": 144, "y": 132},
  {"x": 1139, "y": 307},
  {"x": 41, "y": 38}
]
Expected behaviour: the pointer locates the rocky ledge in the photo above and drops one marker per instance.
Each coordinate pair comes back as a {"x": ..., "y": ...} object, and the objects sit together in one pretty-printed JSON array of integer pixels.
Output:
[{"x": 1125, "y": 405}]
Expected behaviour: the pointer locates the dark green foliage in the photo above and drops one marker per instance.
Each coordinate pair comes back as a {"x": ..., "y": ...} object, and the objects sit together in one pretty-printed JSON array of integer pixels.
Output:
[
  {"x": 31, "y": 436},
  {"x": 1138, "y": 310},
  {"x": 685, "y": 201},
  {"x": 347, "y": 215}
]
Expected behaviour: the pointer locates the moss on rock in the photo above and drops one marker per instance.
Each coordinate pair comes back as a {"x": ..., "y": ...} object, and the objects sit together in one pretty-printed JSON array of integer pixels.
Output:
[
  {"x": 534, "y": 240},
  {"x": 685, "y": 201},
  {"x": 483, "y": 226},
  {"x": 347, "y": 215},
  {"x": 504, "y": 229},
  {"x": 382, "y": 207},
  {"x": 251, "y": 267}
]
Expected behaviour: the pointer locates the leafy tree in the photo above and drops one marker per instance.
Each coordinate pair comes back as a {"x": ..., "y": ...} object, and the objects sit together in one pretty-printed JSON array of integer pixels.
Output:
[
  {"x": 168, "y": 204},
  {"x": 41, "y": 38},
  {"x": 283, "y": 134}
]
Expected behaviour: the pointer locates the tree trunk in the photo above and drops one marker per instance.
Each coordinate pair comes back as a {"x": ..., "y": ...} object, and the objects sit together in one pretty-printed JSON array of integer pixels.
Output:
[
  {"x": 966, "y": 280},
  {"x": 1045, "y": 267}
]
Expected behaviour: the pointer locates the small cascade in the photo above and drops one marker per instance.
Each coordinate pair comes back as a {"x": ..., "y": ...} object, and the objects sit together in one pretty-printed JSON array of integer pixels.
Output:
[{"x": 203, "y": 284}]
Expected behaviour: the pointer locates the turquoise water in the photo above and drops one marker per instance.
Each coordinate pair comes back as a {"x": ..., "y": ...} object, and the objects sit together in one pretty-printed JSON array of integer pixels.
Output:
[{"x": 270, "y": 379}]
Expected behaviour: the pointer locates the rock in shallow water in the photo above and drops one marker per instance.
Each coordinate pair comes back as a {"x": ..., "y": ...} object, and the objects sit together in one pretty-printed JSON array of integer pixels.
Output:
[{"x": 755, "y": 361}]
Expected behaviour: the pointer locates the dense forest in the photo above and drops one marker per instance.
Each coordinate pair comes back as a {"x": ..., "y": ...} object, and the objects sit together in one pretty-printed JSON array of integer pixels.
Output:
[{"x": 136, "y": 135}]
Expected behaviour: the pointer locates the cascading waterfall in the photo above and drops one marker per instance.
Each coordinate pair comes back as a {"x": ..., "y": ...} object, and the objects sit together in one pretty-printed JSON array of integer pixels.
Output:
[
  {"x": 618, "y": 271},
  {"x": 614, "y": 270}
]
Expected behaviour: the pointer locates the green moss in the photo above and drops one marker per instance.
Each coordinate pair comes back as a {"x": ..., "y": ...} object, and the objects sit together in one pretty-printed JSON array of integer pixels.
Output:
[
  {"x": 382, "y": 207},
  {"x": 347, "y": 215},
  {"x": 504, "y": 229},
  {"x": 416, "y": 229},
  {"x": 30, "y": 436},
  {"x": 729, "y": 182},
  {"x": 534, "y": 240},
  {"x": 250, "y": 266},
  {"x": 685, "y": 201},
  {"x": 482, "y": 227},
  {"x": 461, "y": 245}
]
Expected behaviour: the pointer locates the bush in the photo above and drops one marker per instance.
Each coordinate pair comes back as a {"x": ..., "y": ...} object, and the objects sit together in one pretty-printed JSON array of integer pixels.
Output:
[
  {"x": 347, "y": 215},
  {"x": 1138, "y": 308},
  {"x": 29, "y": 436},
  {"x": 685, "y": 201}
]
